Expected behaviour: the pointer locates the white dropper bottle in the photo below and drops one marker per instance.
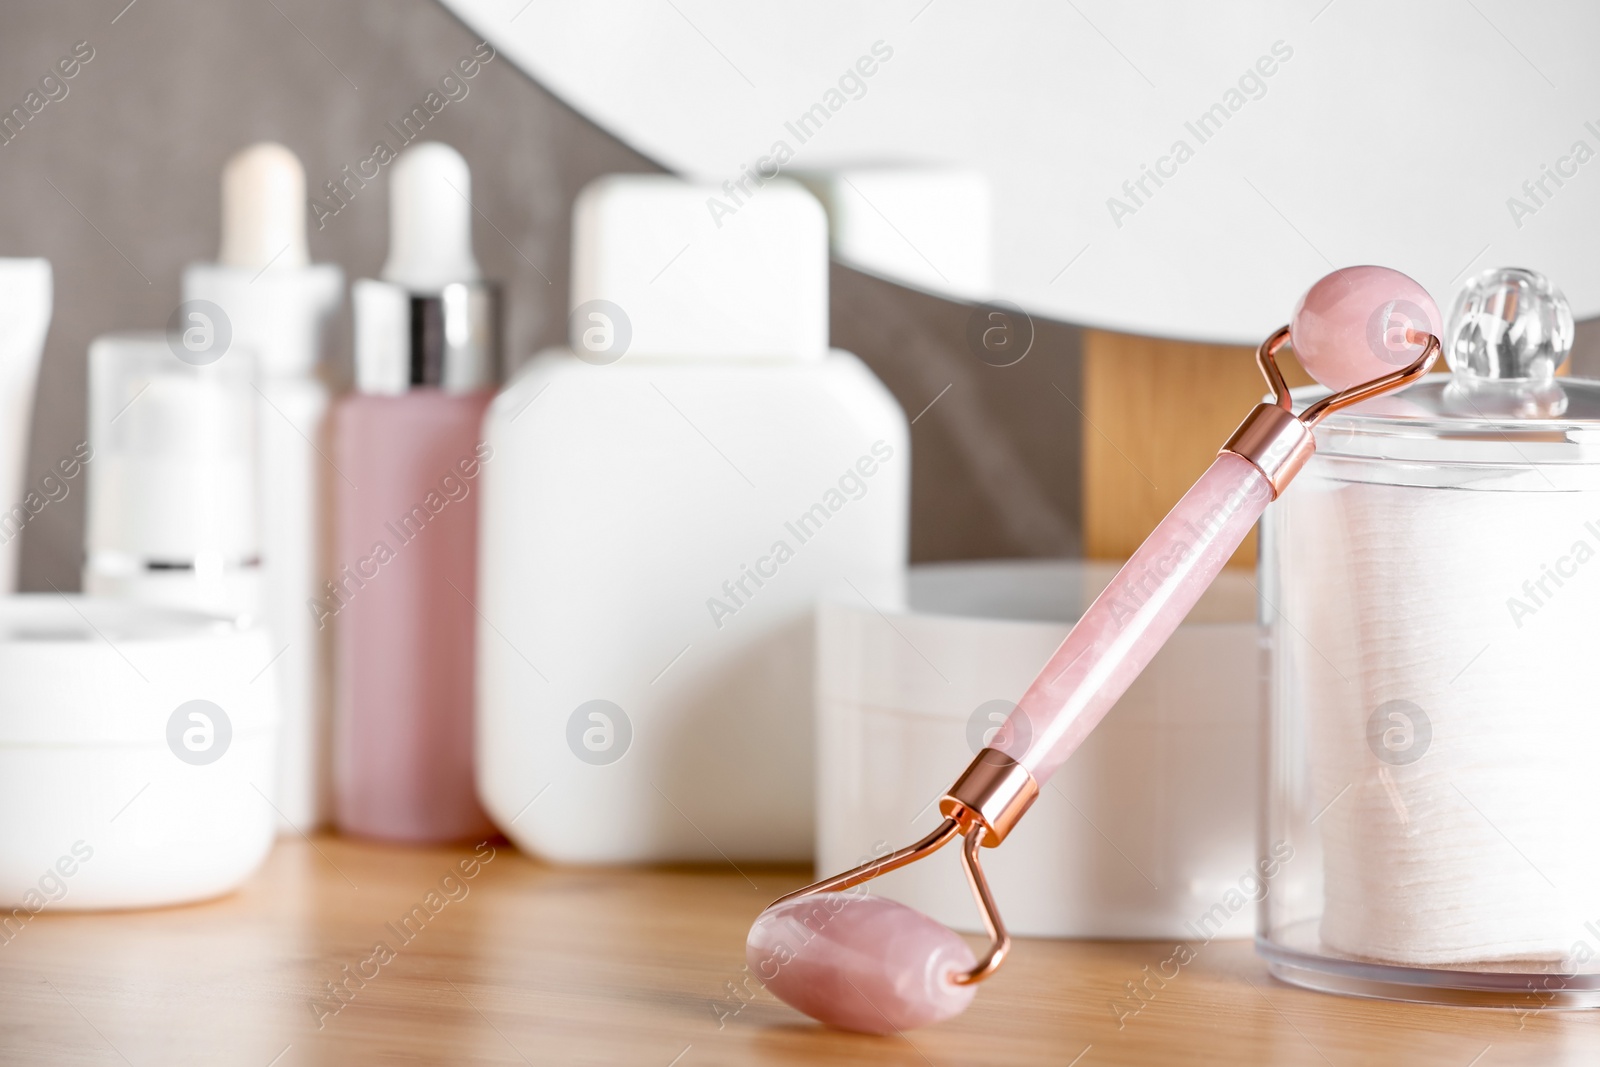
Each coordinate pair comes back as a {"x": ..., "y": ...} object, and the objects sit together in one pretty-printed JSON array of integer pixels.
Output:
[
  {"x": 263, "y": 209},
  {"x": 267, "y": 297}
]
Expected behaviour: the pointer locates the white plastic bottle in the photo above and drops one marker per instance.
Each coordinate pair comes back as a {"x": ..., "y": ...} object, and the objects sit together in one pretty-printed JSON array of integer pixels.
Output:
[
  {"x": 275, "y": 302},
  {"x": 666, "y": 498},
  {"x": 171, "y": 507}
]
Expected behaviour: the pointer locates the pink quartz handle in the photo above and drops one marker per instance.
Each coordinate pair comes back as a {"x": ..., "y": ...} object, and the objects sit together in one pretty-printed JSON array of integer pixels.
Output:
[{"x": 1130, "y": 621}]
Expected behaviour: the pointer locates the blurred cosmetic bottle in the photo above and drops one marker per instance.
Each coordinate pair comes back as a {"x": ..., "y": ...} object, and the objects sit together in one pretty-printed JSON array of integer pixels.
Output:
[
  {"x": 27, "y": 292},
  {"x": 267, "y": 296},
  {"x": 408, "y": 450},
  {"x": 172, "y": 508},
  {"x": 668, "y": 496}
]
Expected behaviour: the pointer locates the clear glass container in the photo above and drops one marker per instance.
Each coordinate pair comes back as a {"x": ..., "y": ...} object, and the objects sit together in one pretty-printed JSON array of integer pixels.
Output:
[{"x": 1430, "y": 588}]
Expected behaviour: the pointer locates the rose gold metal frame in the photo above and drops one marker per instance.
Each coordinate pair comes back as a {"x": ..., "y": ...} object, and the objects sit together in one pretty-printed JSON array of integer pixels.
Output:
[
  {"x": 1277, "y": 441},
  {"x": 982, "y": 805},
  {"x": 940, "y": 837},
  {"x": 995, "y": 790},
  {"x": 999, "y": 939}
]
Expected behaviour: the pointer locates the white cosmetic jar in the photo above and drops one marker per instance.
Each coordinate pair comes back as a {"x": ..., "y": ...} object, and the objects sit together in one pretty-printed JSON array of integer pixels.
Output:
[
  {"x": 1145, "y": 831},
  {"x": 136, "y": 755}
]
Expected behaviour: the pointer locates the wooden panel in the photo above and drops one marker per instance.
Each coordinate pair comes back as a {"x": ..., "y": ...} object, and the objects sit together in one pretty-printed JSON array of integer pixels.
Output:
[
  {"x": 1155, "y": 412},
  {"x": 522, "y": 963}
]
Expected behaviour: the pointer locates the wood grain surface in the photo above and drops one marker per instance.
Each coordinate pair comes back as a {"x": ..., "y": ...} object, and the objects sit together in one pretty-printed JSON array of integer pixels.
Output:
[{"x": 527, "y": 964}]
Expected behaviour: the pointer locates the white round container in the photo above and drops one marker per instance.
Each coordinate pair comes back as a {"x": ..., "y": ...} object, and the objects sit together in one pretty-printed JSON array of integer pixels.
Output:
[
  {"x": 136, "y": 755},
  {"x": 1146, "y": 832}
]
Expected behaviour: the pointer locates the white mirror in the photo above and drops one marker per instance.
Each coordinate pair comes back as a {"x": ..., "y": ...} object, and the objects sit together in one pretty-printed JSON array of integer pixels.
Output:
[{"x": 1183, "y": 170}]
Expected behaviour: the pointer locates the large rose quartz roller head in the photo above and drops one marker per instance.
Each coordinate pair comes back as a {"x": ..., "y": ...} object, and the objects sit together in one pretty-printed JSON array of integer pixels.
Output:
[{"x": 861, "y": 962}]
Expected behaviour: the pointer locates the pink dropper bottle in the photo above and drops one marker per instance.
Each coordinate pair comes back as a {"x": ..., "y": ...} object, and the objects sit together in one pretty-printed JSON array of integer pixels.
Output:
[
  {"x": 865, "y": 963},
  {"x": 407, "y": 448}
]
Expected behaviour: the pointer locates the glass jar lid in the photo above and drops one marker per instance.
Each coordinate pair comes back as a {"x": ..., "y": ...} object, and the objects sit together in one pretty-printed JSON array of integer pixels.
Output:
[{"x": 1510, "y": 332}]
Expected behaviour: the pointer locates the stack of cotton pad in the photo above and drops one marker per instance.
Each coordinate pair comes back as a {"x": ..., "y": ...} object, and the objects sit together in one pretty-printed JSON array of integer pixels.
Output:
[{"x": 1451, "y": 733}]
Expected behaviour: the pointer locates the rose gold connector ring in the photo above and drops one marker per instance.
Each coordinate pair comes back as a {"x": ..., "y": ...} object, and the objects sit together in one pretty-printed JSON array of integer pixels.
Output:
[{"x": 1278, "y": 442}]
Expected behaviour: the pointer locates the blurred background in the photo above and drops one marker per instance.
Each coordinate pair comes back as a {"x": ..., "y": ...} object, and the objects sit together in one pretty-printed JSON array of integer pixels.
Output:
[
  {"x": 117, "y": 184},
  {"x": 1076, "y": 449}
]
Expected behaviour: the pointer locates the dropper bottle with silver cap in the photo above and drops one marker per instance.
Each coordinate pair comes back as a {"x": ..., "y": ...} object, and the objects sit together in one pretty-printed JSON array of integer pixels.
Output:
[{"x": 408, "y": 449}]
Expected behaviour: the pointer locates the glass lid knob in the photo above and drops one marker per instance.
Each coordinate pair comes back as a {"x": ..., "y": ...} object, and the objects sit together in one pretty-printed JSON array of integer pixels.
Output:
[{"x": 1510, "y": 332}]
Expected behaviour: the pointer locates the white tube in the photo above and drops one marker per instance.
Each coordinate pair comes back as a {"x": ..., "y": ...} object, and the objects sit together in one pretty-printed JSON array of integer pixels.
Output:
[{"x": 25, "y": 300}]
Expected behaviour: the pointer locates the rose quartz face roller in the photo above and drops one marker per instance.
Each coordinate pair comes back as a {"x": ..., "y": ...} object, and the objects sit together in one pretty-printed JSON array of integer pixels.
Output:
[{"x": 861, "y": 962}]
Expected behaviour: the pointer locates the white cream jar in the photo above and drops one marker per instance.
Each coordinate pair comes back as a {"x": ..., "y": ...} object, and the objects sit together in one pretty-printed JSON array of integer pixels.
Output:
[{"x": 136, "y": 755}]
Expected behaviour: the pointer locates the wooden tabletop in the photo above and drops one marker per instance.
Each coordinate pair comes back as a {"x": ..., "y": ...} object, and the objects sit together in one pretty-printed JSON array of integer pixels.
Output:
[{"x": 507, "y": 961}]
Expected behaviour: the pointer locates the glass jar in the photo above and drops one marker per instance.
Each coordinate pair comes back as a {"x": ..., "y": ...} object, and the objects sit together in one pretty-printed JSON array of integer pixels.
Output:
[{"x": 1430, "y": 588}]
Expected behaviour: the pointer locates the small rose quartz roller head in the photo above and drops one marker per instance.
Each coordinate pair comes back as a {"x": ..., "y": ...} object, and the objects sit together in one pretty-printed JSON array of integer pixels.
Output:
[{"x": 862, "y": 962}]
